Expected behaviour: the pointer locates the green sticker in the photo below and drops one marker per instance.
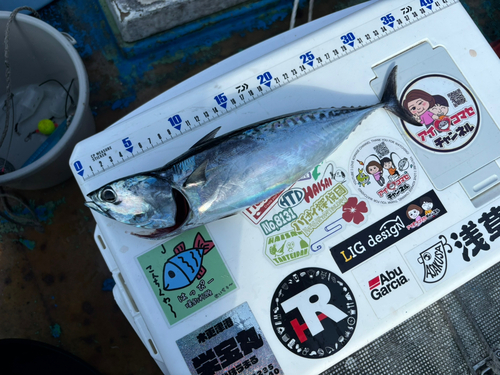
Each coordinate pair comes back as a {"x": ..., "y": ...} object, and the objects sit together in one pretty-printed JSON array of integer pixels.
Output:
[{"x": 186, "y": 273}]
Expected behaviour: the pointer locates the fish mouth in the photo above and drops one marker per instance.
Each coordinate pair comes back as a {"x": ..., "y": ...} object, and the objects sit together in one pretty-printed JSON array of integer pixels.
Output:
[
  {"x": 182, "y": 212},
  {"x": 95, "y": 207},
  {"x": 181, "y": 216}
]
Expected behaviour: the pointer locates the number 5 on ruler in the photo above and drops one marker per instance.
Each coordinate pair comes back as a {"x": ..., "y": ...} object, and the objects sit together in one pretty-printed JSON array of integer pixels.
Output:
[{"x": 128, "y": 144}]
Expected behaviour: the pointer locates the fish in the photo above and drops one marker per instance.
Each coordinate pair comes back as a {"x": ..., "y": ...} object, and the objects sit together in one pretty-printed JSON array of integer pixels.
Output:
[
  {"x": 221, "y": 176},
  {"x": 186, "y": 265}
]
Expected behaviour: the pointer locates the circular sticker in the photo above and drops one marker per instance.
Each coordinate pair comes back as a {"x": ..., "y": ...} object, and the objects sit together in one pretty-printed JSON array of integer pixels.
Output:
[
  {"x": 383, "y": 170},
  {"x": 446, "y": 109},
  {"x": 313, "y": 313}
]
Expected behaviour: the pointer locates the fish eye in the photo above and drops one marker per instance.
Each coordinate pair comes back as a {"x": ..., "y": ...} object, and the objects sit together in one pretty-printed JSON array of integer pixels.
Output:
[
  {"x": 108, "y": 195},
  {"x": 171, "y": 274}
]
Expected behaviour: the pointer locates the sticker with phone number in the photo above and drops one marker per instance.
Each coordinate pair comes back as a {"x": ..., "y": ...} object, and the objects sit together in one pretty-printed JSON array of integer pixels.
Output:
[{"x": 231, "y": 344}]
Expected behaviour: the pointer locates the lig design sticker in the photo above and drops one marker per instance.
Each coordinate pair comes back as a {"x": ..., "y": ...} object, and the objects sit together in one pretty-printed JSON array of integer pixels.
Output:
[
  {"x": 447, "y": 110},
  {"x": 387, "y": 231},
  {"x": 186, "y": 274},
  {"x": 383, "y": 170},
  {"x": 313, "y": 313}
]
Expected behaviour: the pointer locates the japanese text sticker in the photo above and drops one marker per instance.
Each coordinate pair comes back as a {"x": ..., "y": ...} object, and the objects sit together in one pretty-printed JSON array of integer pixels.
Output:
[
  {"x": 186, "y": 274},
  {"x": 460, "y": 245},
  {"x": 229, "y": 345}
]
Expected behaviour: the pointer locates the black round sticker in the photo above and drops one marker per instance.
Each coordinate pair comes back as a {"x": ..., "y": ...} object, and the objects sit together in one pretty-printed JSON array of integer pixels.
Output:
[{"x": 313, "y": 313}]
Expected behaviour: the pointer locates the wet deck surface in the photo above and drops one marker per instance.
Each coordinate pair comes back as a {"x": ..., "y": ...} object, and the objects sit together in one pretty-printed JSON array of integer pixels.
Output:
[{"x": 55, "y": 286}]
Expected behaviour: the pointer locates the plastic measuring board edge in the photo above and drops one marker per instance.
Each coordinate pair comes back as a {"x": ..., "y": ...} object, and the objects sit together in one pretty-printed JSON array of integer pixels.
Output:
[
  {"x": 161, "y": 124},
  {"x": 244, "y": 57}
]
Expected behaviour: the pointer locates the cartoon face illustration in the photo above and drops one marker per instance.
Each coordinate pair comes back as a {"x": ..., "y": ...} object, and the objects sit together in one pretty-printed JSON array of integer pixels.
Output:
[
  {"x": 426, "y": 203},
  {"x": 373, "y": 167},
  {"x": 403, "y": 164},
  {"x": 427, "y": 206},
  {"x": 418, "y": 102},
  {"x": 413, "y": 212},
  {"x": 418, "y": 106},
  {"x": 440, "y": 108},
  {"x": 339, "y": 176}
]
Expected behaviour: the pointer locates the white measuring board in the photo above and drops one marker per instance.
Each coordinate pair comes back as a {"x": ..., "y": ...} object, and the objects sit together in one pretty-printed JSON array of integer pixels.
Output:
[{"x": 303, "y": 280}]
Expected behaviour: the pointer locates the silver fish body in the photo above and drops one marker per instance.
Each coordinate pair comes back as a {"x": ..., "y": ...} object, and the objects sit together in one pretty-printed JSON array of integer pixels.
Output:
[{"x": 220, "y": 176}]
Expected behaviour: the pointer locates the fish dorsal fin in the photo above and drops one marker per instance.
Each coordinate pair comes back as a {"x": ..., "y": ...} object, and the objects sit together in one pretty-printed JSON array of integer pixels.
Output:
[
  {"x": 198, "y": 176},
  {"x": 206, "y": 138},
  {"x": 180, "y": 248}
]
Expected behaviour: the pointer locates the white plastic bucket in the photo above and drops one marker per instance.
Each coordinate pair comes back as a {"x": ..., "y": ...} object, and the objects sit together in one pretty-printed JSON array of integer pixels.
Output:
[{"x": 37, "y": 53}]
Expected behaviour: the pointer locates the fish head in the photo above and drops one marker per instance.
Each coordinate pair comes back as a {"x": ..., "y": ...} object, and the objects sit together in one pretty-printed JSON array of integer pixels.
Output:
[
  {"x": 174, "y": 278},
  {"x": 143, "y": 201}
]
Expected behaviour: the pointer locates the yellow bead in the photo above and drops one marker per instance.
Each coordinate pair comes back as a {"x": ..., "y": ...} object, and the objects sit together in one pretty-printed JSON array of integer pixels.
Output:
[{"x": 46, "y": 126}]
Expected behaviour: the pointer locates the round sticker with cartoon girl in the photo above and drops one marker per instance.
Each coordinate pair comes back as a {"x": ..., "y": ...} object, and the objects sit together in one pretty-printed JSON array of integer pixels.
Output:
[
  {"x": 446, "y": 109},
  {"x": 383, "y": 170}
]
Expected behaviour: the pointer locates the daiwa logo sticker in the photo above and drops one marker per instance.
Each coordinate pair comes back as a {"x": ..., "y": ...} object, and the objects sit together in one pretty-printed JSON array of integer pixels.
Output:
[{"x": 387, "y": 282}]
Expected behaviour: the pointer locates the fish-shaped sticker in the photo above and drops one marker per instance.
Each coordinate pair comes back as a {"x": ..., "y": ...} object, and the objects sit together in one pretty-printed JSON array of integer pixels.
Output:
[{"x": 186, "y": 265}]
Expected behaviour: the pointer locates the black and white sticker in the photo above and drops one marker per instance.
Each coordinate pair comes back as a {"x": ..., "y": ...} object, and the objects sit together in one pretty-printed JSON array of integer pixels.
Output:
[
  {"x": 387, "y": 231},
  {"x": 313, "y": 313},
  {"x": 453, "y": 250}
]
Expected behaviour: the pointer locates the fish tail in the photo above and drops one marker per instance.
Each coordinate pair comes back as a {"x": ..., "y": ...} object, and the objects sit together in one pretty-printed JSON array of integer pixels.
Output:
[{"x": 390, "y": 99}]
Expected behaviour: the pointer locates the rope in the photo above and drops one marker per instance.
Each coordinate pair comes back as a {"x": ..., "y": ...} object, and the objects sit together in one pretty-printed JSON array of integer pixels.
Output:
[
  {"x": 493, "y": 362},
  {"x": 7, "y": 213},
  {"x": 310, "y": 14},
  {"x": 294, "y": 12},
  {"x": 8, "y": 91},
  {"x": 456, "y": 337}
]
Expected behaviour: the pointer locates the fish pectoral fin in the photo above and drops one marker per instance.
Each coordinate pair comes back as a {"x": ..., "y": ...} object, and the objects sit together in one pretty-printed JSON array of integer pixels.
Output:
[
  {"x": 198, "y": 177},
  {"x": 201, "y": 273},
  {"x": 206, "y": 138}
]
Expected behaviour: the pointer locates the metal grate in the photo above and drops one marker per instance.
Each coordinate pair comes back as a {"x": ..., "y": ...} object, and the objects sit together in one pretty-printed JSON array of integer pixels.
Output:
[{"x": 451, "y": 336}]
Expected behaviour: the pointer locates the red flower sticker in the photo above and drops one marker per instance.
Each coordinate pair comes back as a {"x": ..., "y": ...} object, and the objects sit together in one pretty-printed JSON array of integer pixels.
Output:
[{"x": 353, "y": 211}]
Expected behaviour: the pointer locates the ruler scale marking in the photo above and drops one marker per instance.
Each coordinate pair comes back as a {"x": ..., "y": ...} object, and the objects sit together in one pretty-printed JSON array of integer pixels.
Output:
[{"x": 309, "y": 61}]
